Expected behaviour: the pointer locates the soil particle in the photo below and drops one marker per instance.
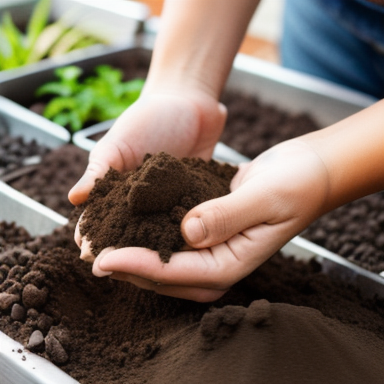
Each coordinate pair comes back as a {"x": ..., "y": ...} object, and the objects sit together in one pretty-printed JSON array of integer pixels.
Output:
[
  {"x": 34, "y": 297},
  {"x": 36, "y": 341},
  {"x": 55, "y": 350},
  {"x": 18, "y": 312}
]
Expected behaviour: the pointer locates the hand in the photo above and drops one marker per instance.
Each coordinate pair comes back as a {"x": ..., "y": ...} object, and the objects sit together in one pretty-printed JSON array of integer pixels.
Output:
[
  {"x": 272, "y": 199},
  {"x": 177, "y": 123}
]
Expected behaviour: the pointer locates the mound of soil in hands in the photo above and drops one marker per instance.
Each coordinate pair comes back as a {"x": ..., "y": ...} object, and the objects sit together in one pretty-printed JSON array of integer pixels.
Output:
[
  {"x": 286, "y": 322},
  {"x": 145, "y": 207}
]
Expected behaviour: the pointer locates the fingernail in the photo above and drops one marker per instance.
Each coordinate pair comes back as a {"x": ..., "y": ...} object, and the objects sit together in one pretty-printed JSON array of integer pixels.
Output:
[{"x": 194, "y": 230}]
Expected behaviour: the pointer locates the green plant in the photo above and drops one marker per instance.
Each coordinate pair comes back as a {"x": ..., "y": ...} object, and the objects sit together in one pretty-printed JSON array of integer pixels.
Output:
[
  {"x": 97, "y": 98},
  {"x": 41, "y": 38}
]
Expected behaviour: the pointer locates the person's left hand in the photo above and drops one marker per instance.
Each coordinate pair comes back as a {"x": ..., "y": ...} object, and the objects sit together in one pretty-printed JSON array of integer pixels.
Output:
[{"x": 272, "y": 199}]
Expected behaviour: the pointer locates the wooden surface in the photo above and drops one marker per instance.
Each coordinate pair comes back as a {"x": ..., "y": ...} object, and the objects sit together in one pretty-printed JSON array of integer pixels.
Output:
[{"x": 260, "y": 48}]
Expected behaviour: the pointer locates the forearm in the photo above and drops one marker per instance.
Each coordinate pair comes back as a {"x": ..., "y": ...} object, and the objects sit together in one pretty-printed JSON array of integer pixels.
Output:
[
  {"x": 353, "y": 153},
  {"x": 197, "y": 42}
]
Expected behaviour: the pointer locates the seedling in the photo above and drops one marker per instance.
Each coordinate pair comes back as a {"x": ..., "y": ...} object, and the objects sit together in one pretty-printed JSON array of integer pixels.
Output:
[{"x": 75, "y": 101}]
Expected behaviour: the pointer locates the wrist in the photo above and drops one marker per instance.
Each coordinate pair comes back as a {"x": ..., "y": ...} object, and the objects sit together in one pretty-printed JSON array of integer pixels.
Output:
[{"x": 352, "y": 151}]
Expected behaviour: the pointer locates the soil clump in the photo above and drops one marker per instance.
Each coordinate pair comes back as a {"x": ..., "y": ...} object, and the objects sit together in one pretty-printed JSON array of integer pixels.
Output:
[{"x": 145, "y": 207}]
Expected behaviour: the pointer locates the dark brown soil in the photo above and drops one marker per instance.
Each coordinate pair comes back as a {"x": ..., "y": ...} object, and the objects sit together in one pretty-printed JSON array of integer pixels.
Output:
[
  {"x": 50, "y": 182},
  {"x": 286, "y": 322},
  {"x": 16, "y": 153},
  {"x": 354, "y": 231},
  {"x": 253, "y": 126},
  {"x": 145, "y": 207}
]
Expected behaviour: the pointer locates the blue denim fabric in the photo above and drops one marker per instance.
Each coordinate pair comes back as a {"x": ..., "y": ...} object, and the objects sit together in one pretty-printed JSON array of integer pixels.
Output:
[{"x": 338, "y": 40}]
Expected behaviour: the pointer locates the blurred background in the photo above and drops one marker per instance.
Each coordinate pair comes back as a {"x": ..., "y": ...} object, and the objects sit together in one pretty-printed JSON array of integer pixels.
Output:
[{"x": 263, "y": 33}]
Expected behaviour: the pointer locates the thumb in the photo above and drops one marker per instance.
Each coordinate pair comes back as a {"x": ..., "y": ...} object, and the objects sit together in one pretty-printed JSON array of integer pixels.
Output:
[
  {"x": 104, "y": 155},
  {"x": 80, "y": 191},
  {"x": 217, "y": 220}
]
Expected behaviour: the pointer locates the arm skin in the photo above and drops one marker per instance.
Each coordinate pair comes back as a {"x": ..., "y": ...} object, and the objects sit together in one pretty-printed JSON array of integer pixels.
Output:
[
  {"x": 353, "y": 152},
  {"x": 178, "y": 111},
  {"x": 272, "y": 199},
  {"x": 197, "y": 43}
]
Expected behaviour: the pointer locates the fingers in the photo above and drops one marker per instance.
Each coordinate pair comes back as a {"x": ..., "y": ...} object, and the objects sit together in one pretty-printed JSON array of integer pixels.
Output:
[
  {"x": 201, "y": 295},
  {"x": 187, "y": 275},
  {"x": 217, "y": 220},
  {"x": 287, "y": 182},
  {"x": 203, "y": 275},
  {"x": 205, "y": 268}
]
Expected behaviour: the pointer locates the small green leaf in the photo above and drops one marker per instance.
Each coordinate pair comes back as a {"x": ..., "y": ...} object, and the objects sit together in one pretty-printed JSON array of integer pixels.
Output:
[
  {"x": 58, "y": 105},
  {"x": 135, "y": 86},
  {"x": 70, "y": 119},
  {"x": 54, "y": 88},
  {"x": 109, "y": 74},
  {"x": 68, "y": 73}
]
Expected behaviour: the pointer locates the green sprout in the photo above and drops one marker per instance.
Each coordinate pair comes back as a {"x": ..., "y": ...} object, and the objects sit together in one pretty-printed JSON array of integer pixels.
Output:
[{"x": 97, "y": 98}]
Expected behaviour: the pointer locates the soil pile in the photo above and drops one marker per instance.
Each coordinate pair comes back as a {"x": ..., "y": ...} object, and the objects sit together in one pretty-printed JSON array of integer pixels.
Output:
[
  {"x": 145, "y": 207},
  {"x": 262, "y": 330}
]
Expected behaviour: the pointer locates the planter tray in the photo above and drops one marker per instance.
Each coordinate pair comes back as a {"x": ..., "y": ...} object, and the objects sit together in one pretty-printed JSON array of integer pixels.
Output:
[
  {"x": 29, "y": 79},
  {"x": 36, "y": 218},
  {"x": 18, "y": 121}
]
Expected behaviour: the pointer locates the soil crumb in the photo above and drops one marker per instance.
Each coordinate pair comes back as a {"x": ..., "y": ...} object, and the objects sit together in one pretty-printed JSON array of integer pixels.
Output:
[{"x": 145, "y": 207}]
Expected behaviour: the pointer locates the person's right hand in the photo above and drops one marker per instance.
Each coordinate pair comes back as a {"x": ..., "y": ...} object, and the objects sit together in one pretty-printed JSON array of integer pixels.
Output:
[{"x": 183, "y": 125}]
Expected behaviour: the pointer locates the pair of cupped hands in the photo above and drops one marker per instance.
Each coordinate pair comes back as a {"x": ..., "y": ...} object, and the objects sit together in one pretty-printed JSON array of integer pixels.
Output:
[{"x": 272, "y": 199}]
